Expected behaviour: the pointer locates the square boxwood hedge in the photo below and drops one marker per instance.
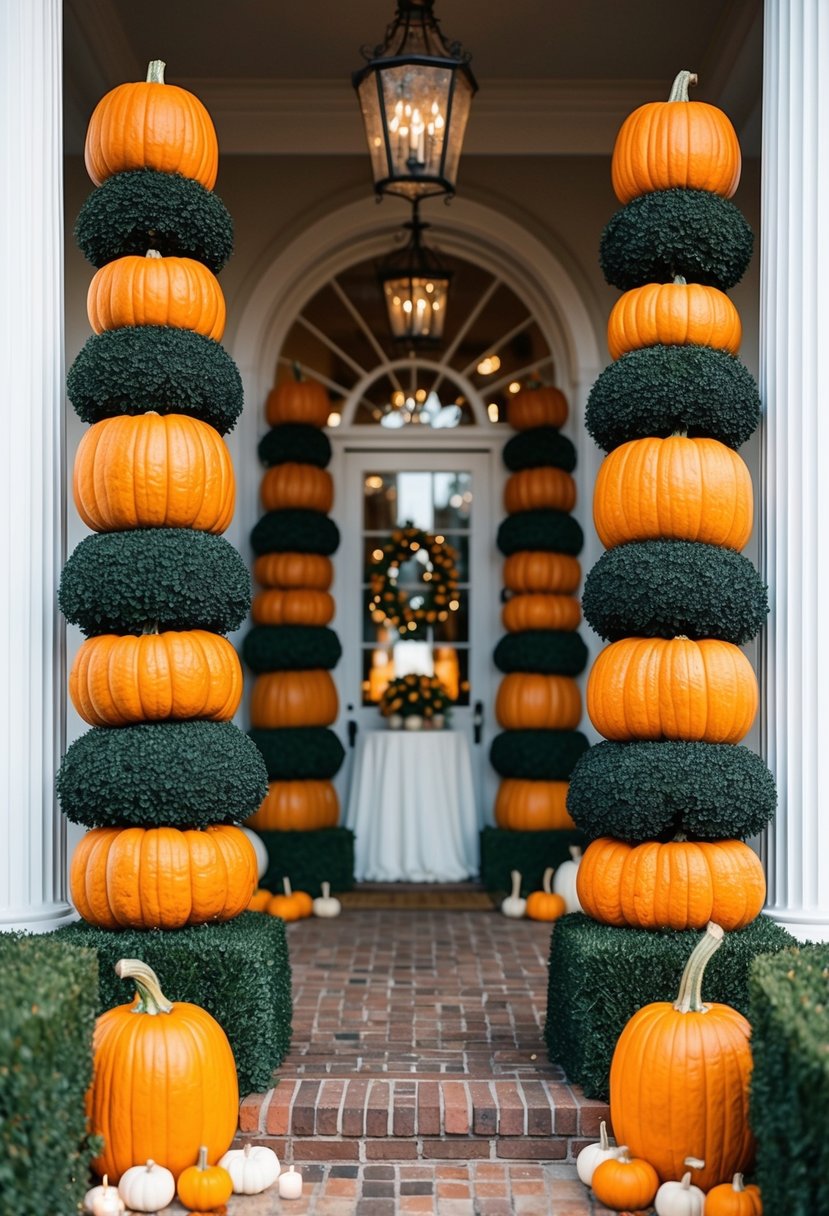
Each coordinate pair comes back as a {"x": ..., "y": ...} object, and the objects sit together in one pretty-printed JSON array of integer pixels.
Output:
[
  {"x": 789, "y": 1113},
  {"x": 530, "y": 853},
  {"x": 589, "y": 1004},
  {"x": 48, "y": 999},
  {"x": 238, "y": 971},
  {"x": 310, "y": 858}
]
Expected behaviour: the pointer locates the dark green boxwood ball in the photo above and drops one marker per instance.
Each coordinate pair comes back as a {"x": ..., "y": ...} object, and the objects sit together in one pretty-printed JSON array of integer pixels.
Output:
[
  {"x": 300, "y": 753},
  {"x": 155, "y": 367},
  {"x": 537, "y": 755},
  {"x": 541, "y": 447},
  {"x": 661, "y": 588},
  {"x": 291, "y": 648},
  {"x": 554, "y": 531},
  {"x": 663, "y": 389},
  {"x": 692, "y": 233},
  {"x": 650, "y": 791},
  {"x": 294, "y": 441},
  {"x": 549, "y": 651},
  {"x": 173, "y": 774},
  {"x": 144, "y": 209},
  {"x": 175, "y": 578},
  {"x": 295, "y": 531}
]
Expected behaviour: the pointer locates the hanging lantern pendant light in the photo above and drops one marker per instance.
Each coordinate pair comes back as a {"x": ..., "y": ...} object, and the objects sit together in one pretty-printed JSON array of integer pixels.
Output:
[{"x": 415, "y": 288}]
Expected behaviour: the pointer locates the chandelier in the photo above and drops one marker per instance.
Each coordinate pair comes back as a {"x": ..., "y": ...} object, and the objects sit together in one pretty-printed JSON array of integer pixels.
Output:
[{"x": 415, "y": 286}]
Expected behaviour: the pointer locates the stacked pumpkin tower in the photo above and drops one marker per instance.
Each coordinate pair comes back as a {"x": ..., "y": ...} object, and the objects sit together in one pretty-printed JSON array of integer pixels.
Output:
[
  {"x": 671, "y": 796},
  {"x": 292, "y": 650},
  {"x": 538, "y": 704}
]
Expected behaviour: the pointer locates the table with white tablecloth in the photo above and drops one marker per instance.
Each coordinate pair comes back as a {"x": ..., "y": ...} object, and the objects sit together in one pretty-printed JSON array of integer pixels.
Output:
[{"x": 412, "y": 807}]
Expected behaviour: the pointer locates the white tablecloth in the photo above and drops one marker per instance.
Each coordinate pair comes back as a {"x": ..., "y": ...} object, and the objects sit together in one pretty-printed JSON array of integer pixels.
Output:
[{"x": 412, "y": 807}]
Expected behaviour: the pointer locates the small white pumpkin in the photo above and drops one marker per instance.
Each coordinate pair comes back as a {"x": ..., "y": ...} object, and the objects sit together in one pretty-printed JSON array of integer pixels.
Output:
[
  {"x": 514, "y": 906},
  {"x": 103, "y": 1200},
  {"x": 252, "y": 1169},
  {"x": 680, "y": 1198},
  {"x": 326, "y": 904},
  {"x": 564, "y": 883},
  {"x": 594, "y": 1154},
  {"x": 260, "y": 848},
  {"x": 147, "y": 1188}
]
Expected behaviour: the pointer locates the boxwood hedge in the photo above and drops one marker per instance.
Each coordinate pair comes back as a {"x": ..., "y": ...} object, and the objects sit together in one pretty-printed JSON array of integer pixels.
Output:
[
  {"x": 295, "y": 531},
  {"x": 294, "y": 441},
  {"x": 537, "y": 755},
  {"x": 554, "y": 531},
  {"x": 310, "y": 858},
  {"x": 550, "y": 651},
  {"x": 530, "y": 853},
  {"x": 539, "y": 447},
  {"x": 290, "y": 648},
  {"x": 299, "y": 753}
]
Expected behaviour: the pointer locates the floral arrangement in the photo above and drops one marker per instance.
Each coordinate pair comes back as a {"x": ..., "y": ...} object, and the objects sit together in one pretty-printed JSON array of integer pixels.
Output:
[{"x": 415, "y": 696}]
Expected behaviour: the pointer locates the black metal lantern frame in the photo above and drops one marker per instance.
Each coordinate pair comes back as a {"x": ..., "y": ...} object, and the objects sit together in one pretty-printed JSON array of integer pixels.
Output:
[
  {"x": 415, "y": 94},
  {"x": 415, "y": 287}
]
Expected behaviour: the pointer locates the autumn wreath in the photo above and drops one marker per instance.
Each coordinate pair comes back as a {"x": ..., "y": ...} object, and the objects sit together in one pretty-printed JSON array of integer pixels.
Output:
[{"x": 403, "y": 610}]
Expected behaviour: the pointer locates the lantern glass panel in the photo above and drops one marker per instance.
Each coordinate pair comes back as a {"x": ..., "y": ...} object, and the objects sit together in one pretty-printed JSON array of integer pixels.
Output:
[
  {"x": 416, "y": 99},
  {"x": 416, "y": 306}
]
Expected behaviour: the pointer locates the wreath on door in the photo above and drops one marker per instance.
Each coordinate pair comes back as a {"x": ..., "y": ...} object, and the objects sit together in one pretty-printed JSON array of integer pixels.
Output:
[{"x": 389, "y": 604}]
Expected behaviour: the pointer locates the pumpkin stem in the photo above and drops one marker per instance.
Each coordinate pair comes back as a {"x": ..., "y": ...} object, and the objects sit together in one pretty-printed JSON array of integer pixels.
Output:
[
  {"x": 737, "y": 1182},
  {"x": 516, "y": 883},
  {"x": 689, "y": 998},
  {"x": 679, "y": 89},
  {"x": 247, "y": 1149},
  {"x": 150, "y": 1165},
  {"x": 624, "y": 1154},
  {"x": 150, "y": 997},
  {"x": 149, "y": 628},
  {"x": 575, "y": 852},
  {"x": 546, "y": 880},
  {"x": 155, "y": 71},
  {"x": 152, "y": 253},
  {"x": 326, "y": 890},
  {"x": 202, "y": 1162},
  {"x": 680, "y": 280},
  {"x": 286, "y": 886},
  {"x": 604, "y": 1143}
]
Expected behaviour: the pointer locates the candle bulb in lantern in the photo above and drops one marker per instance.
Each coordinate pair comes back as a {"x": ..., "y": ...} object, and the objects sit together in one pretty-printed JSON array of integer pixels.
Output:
[{"x": 290, "y": 1184}]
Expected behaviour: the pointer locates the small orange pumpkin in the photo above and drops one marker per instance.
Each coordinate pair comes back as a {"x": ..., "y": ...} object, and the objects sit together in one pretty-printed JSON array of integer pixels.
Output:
[
  {"x": 534, "y": 570},
  {"x": 276, "y": 607},
  {"x": 304, "y": 401},
  {"x": 531, "y": 701},
  {"x": 537, "y": 405},
  {"x": 297, "y": 485},
  {"x": 559, "y": 612},
  {"x": 294, "y": 571},
  {"x": 297, "y": 806},
  {"x": 534, "y": 489},
  {"x": 734, "y": 1199},
  {"x": 291, "y": 905},
  {"x": 153, "y": 290},
  {"x": 624, "y": 1182},
  {"x": 204, "y": 1187},
  {"x": 532, "y": 806},
  {"x": 673, "y": 314},
  {"x": 294, "y": 698},
  {"x": 545, "y": 904},
  {"x": 260, "y": 900}
]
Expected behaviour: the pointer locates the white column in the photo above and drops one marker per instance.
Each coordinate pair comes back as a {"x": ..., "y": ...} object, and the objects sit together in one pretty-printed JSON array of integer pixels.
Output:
[
  {"x": 794, "y": 483},
  {"x": 32, "y": 837}
]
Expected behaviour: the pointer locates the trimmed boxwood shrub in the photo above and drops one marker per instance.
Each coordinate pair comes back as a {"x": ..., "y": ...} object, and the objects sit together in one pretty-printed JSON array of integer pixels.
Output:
[
  {"x": 294, "y": 441},
  {"x": 550, "y": 651},
  {"x": 310, "y": 858},
  {"x": 290, "y": 648},
  {"x": 554, "y": 531},
  {"x": 693, "y": 233},
  {"x": 530, "y": 853},
  {"x": 118, "y": 582},
  {"x": 538, "y": 448},
  {"x": 143, "y": 209},
  {"x": 238, "y": 971},
  {"x": 48, "y": 1004},
  {"x": 295, "y": 531},
  {"x": 599, "y": 976},
  {"x": 789, "y": 1096},
  {"x": 537, "y": 755},
  {"x": 154, "y": 367},
  {"x": 663, "y": 389},
  {"x": 299, "y": 753},
  {"x": 661, "y": 588},
  {"x": 646, "y": 790},
  {"x": 176, "y": 774}
]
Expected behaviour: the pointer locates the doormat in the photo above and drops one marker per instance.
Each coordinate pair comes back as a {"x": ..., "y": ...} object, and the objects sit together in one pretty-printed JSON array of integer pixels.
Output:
[{"x": 428, "y": 899}]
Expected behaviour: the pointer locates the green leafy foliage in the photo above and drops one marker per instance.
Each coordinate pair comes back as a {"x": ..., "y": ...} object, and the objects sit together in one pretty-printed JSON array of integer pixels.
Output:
[
  {"x": 553, "y": 531},
  {"x": 295, "y": 531},
  {"x": 294, "y": 441},
  {"x": 299, "y": 753},
  {"x": 530, "y": 853},
  {"x": 290, "y": 648},
  {"x": 537, "y": 448},
  {"x": 550, "y": 651},
  {"x": 537, "y": 755},
  {"x": 310, "y": 858}
]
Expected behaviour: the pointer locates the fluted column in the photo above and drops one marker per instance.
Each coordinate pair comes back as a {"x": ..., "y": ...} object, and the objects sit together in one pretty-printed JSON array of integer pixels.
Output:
[
  {"x": 794, "y": 488},
  {"x": 32, "y": 843}
]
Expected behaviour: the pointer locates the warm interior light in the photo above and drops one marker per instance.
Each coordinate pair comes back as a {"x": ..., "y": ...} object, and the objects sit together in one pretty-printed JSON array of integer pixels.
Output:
[
  {"x": 493, "y": 411},
  {"x": 398, "y": 399},
  {"x": 374, "y": 482},
  {"x": 515, "y": 386},
  {"x": 488, "y": 365},
  {"x": 334, "y": 419}
]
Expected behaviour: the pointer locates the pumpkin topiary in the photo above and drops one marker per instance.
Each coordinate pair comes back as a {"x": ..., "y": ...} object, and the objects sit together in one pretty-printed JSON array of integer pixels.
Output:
[
  {"x": 542, "y": 446},
  {"x": 544, "y": 650},
  {"x": 153, "y": 290},
  {"x": 538, "y": 702},
  {"x": 295, "y": 753},
  {"x": 537, "y": 755},
  {"x": 294, "y": 531},
  {"x": 295, "y": 441},
  {"x": 290, "y": 647},
  {"x": 686, "y": 314},
  {"x": 543, "y": 530}
]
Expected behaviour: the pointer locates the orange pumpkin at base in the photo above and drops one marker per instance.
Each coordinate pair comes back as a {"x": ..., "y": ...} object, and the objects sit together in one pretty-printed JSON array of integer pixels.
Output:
[
  {"x": 624, "y": 1182},
  {"x": 734, "y": 1199},
  {"x": 545, "y": 904},
  {"x": 204, "y": 1187}
]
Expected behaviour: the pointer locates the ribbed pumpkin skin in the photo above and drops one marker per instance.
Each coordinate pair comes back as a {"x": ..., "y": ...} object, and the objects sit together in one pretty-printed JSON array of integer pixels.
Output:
[
  {"x": 297, "y": 485},
  {"x": 673, "y": 489},
  {"x": 304, "y": 401},
  {"x": 532, "y": 407},
  {"x": 297, "y": 806},
  {"x": 524, "y": 612},
  {"x": 676, "y": 885},
  {"x": 673, "y": 314},
  {"x": 162, "y": 878},
  {"x": 178, "y": 292},
  {"x": 153, "y": 471},
  {"x": 532, "y": 806},
  {"x": 532, "y": 489},
  {"x": 533, "y": 571},
  {"x": 537, "y": 702},
  {"x": 117, "y": 681},
  {"x": 723, "y": 1200},
  {"x": 290, "y": 571},
  {"x": 672, "y": 688},
  {"x": 294, "y": 698},
  {"x": 299, "y": 607},
  {"x": 149, "y": 125}
]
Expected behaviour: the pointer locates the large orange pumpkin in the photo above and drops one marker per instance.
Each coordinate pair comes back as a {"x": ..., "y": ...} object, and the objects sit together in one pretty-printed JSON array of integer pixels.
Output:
[
  {"x": 673, "y": 489},
  {"x": 523, "y": 612},
  {"x": 294, "y": 570},
  {"x": 153, "y": 471},
  {"x": 541, "y": 405},
  {"x": 673, "y": 314},
  {"x": 536, "y": 570},
  {"x": 532, "y": 806},
  {"x": 672, "y": 688},
  {"x": 116, "y": 681},
  {"x": 155, "y": 1060},
  {"x": 304, "y": 401},
  {"x": 530, "y": 701},
  {"x": 162, "y": 878},
  {"x": 676, "y": 143},
  {"x": 297, "y": 485},
  {"x": 696, "y": 1059},
  {"x": 151, "y": 125},
  {"x": 532, "y": 489},
  {"x": 276, "y": 607},
  {"x": 297, "y": 806},
  {"x": 294, "y": 698},
  {"x": 680, "y": 884},
  {"x": 178, "y": 292}
]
